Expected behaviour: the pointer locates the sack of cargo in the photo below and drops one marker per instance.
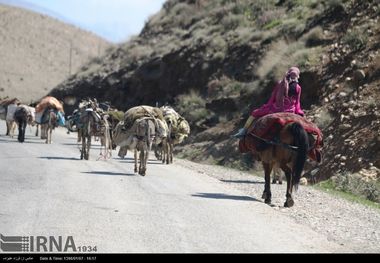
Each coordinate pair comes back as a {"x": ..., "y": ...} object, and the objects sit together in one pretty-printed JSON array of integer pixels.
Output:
[
  {"x": 183, "y": 126},
  {"x": 167, "y": 110},
  {"x": 49, "y": 102},
  {"x": 38, "y": 117},
  {"x": 11, "y": 112},
  {"x": 6, "y": 102},
  {"x": 61, "y": 119},
  {"x": 141, "y": 111}
]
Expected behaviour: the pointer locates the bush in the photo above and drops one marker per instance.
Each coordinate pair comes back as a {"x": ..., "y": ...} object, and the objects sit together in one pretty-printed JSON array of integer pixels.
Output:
[
  {"x": 231, "y": 21},
  {"x": 292, "y": 28},
  {"x": 355, "y": 39},
  {"x": 269, "y": 19},
  {"x": 192, "y": 106},
  {"x": 357, "y": 185},
  {"x": 314, "y": 37}
]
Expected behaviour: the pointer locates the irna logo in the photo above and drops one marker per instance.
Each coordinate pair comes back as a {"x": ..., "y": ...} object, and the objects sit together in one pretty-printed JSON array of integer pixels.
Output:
[{"x": 37, "y": 244}]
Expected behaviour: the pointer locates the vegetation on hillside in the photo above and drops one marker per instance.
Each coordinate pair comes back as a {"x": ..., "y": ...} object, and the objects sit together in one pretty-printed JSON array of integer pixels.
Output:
[{"x": 217, "y": 60}]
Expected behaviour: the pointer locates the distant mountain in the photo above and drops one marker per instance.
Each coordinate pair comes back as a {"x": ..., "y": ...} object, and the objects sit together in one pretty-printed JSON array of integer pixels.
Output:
[
  {"x": 37, "y": 52},
  {"x": 34, "y": 8}
]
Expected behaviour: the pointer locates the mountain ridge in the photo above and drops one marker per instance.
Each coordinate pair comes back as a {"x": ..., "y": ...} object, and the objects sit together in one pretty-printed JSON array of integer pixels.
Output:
[{"x": 38, "y": 52}]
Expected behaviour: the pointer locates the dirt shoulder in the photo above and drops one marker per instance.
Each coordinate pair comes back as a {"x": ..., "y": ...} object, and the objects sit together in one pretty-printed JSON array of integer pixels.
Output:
[{"x": 352, "y": 225}]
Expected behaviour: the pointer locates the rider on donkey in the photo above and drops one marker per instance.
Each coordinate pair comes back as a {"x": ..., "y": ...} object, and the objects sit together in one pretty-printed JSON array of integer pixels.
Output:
[{"x": 285, "y": 98}]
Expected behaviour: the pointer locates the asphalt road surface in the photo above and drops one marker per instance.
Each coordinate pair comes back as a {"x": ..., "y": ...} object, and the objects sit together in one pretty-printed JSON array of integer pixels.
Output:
[{"x": 46, "y": 190}]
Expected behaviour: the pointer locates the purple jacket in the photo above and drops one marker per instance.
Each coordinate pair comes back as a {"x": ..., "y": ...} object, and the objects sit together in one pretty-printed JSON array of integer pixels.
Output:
[{"x": 291, "y": 104}]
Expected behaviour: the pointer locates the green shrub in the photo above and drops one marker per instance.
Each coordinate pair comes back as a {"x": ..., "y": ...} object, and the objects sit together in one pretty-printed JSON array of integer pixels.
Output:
[
  {"x": 231, "y": 21},
  {"x": 270, "y": 19},
  {"x": 292, "y": 28},
  {"x": 192, "y": 106},
  {"x": 355, "y": 39},
  {"x": 313, "y": 37},
  {"x": 357, "y": 185}
]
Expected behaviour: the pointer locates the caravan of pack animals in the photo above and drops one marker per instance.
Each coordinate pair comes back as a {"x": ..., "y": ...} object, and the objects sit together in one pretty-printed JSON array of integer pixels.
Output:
[
  {"x": 140, "y": 129},
  {"x": 279, "y": 140}
]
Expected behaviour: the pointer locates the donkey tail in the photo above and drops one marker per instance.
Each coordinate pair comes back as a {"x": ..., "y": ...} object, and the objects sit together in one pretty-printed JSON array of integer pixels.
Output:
[{"x": 301, "y": 141}]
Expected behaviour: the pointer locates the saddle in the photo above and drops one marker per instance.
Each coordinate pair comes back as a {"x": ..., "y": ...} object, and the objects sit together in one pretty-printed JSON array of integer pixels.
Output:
[{"x": 268, "y": 127}]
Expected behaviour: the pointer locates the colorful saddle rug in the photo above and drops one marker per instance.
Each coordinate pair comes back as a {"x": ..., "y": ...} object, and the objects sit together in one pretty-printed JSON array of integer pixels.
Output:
[{"x": 268, "y": 127}]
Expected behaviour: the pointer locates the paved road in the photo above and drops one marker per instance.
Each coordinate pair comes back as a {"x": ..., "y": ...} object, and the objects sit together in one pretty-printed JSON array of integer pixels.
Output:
[{"x": 45, "y": 190}]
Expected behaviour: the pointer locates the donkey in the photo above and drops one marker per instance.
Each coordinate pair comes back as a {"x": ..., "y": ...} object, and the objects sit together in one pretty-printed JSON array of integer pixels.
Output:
[
  {"x": 92, "y": 124},
  {"x": 23, "y": 116},
  {"x": 50, "y": 122},
  {"x": 145, "y": 132},
  {"x": 177, "y": 134},
  {"x": 284, "y": 140},
  {"x": 290, "y": 161}
]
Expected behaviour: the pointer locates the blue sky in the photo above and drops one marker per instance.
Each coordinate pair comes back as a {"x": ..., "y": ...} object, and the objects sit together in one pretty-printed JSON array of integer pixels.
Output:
[{"x": 114, "y": 20}]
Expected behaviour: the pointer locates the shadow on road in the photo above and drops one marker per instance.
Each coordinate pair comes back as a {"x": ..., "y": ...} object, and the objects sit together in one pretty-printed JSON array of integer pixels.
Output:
[
  {"x": 132, "y": 160},
  {"x": 59, "y": 158},
  {"x": 80, "y": 145},
  {"x": 14, "y": 140},
  {"x": 224, "y": 196},
  {"x": 242, "y": 181},
  {"x": 108, "y": 173}
]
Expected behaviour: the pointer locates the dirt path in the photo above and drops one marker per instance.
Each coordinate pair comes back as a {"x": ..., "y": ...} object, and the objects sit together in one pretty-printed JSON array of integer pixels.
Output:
[{"x": 354, "y": 226}]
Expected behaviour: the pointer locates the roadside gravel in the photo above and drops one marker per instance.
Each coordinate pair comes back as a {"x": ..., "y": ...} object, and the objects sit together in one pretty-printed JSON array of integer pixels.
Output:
[{"x": 354, "y": 226}]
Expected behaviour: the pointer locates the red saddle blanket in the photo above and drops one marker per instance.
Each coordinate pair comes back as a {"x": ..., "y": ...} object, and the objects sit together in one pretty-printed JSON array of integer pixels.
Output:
[{"x": 268, "y": 126}]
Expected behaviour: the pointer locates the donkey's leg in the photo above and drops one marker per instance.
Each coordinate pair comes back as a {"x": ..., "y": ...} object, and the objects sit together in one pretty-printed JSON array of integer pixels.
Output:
[
  {"x": 23, "y": 130},
  {"x": 171, "y": 146},
  {"x": 145, "y": 160},
  {"x": 289, "y": 186},
  {"x": 12, "y": 128},
  {"x": 7, "y": 124},
  {"x": 47, "y": 133},
  {"x": 88, "y": 146},
  {"x": 51, "y": 134},
  {"x": 267, "y": 195},
  {"x": 19, "y": 137},
  {"x": 83, "y": 145},
  {"x": 43, "y": 131},
  {"x": 165, "y": 152},
  {"x": 142, "y": 162},
  {"x": 274, "y": 179},
  {"x": 79, "y": 139},
  {"x": 135, "y": 156}
]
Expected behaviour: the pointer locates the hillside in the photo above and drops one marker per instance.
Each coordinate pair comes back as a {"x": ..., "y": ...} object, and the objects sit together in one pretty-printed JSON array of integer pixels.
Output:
[
  {"x": 35, "y": 52},
  {"x": 217, "y": 60}
]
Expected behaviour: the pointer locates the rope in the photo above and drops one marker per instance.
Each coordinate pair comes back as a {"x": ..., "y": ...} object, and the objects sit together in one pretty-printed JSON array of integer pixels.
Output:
[{"x": 287, "y": 146}]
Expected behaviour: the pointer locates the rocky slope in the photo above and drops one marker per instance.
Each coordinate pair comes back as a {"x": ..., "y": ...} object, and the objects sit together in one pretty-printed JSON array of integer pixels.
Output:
[
  {"x": 217, "y": 60},
  {"x": 38, "y": 52}
]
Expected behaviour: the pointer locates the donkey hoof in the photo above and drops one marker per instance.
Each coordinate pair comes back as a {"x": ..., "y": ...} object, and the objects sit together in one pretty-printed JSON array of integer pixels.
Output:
[{"x": 289, "y": 203}]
